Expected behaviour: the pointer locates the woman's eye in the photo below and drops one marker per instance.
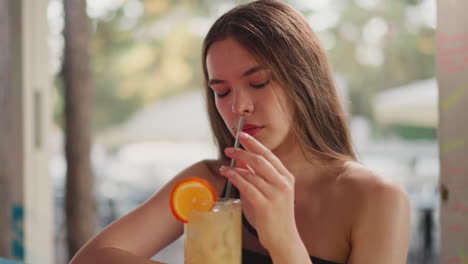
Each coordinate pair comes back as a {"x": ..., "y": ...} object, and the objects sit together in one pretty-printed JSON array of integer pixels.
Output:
[
  {"x": 259, "y": 85},
  {"x": 221, "y": 95}
]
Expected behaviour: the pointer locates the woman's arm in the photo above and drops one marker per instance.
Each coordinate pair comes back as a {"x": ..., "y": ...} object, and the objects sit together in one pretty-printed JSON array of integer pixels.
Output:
[
  {"x": 115, "y": 256},
  {"x": 144, "y": 231},
  {"x": 381, "y": 232}
]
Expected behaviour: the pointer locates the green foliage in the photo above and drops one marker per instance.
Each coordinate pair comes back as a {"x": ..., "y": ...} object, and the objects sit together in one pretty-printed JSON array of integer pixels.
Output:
[
  {"x": 58, "y": 103},
  {"x": 145, "y": 50},
  {"x": 407, "y": 55},
  {"x": 411, "y": 132},
  {"x": 141, "y": 59}
]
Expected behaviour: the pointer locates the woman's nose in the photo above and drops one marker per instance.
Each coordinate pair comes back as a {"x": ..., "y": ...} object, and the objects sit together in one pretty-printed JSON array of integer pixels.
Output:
[{"x": 242, "y": 103}]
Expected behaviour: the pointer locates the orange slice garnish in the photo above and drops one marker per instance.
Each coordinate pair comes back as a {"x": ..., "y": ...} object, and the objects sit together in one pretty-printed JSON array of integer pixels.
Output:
[{"x": 189, "y": 194}]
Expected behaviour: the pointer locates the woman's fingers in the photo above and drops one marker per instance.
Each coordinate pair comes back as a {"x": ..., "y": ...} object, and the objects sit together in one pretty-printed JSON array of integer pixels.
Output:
[
  {"x": 251, "y": 186},
  {"x": 258, "y": 163},
  {"x": 252, "y": 145},
  {"x": 242, "y": 165}
]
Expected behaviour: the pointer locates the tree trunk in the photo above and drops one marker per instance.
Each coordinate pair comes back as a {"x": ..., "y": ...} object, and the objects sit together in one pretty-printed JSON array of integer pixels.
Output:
[{"x": 80, "y": 205}]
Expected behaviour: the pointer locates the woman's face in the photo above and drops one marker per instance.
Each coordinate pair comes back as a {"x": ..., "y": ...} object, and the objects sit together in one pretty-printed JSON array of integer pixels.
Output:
[{"x": 243, "y": 87}]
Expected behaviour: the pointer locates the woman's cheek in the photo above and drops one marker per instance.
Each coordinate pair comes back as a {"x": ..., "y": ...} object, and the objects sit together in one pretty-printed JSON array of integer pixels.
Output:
[{"x": 223, "y": 111}]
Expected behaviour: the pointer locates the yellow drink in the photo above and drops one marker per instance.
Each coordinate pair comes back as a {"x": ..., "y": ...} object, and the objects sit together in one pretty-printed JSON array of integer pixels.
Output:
[{"x": 214, "y": 237}]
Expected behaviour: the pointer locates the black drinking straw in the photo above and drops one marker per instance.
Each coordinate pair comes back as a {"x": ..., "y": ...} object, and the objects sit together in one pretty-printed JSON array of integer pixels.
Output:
[{"x": 227, "y": 195}]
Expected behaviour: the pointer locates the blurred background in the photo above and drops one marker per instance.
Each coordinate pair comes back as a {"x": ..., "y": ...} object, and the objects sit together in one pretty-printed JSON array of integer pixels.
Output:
[{"x": 149, "y": 121}]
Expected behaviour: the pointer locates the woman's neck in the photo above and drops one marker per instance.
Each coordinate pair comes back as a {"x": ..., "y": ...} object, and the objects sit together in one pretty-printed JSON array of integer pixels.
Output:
[{"x": 303, "y": 167}]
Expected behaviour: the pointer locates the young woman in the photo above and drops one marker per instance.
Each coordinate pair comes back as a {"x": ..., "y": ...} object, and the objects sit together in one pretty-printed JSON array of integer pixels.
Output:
[{"x": 305, "y": 197}]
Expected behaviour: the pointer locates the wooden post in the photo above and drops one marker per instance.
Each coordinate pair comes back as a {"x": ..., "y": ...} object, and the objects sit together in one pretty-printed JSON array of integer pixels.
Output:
[
  {"x": 26, "y": 219},
  {"x": 452, "y": 71},
  {"x": 4, "y": 135},
  {"x": 80, "y": 205},
  {"x": 12, "y": 154}
]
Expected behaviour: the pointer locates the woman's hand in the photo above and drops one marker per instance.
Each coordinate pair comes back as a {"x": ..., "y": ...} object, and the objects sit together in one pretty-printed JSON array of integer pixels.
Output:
[{"x": 267, "y": 190}]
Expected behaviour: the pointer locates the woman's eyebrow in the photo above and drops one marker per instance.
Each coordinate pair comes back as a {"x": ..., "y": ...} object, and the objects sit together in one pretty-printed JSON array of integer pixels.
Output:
[
  {"x": 215, "y": 81},
  {"x": 246, "y": 73},
  {"x": 254, "y": 70}
]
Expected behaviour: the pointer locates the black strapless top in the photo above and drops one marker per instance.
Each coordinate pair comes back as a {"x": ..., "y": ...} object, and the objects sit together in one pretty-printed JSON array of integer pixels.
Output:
[{"x": 252, "y": 257}]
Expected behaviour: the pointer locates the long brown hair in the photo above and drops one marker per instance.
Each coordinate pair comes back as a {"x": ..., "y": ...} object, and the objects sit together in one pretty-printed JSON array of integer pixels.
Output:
[{"x": 279, "y": 36}]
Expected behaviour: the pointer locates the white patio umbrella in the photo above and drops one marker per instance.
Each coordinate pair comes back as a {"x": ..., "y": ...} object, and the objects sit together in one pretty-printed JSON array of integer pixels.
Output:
[
  {"x": 414, "y": 104},
  {"x": 178, "y": 118}
]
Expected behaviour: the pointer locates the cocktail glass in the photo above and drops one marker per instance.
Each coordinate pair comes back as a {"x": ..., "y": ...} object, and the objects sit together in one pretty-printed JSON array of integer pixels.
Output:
[{"x": 214, "y": 237}]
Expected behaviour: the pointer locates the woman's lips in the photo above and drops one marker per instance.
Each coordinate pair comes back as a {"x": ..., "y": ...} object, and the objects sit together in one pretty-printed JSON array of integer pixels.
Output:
[{"x": 251, "y": 129}]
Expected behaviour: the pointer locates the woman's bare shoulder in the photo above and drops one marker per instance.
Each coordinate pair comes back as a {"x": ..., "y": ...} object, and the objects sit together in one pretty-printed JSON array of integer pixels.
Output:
[
  {"x": 363, "y": 187},
  {"x": 363, "y": 179},
  {"x": 203, "y": 168},
  {"x": 381, "y": 209},
  {"x": 209, "y": 170},
  {"x": 214, "y": 165},
  {"x": 371, "y": 189}
]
